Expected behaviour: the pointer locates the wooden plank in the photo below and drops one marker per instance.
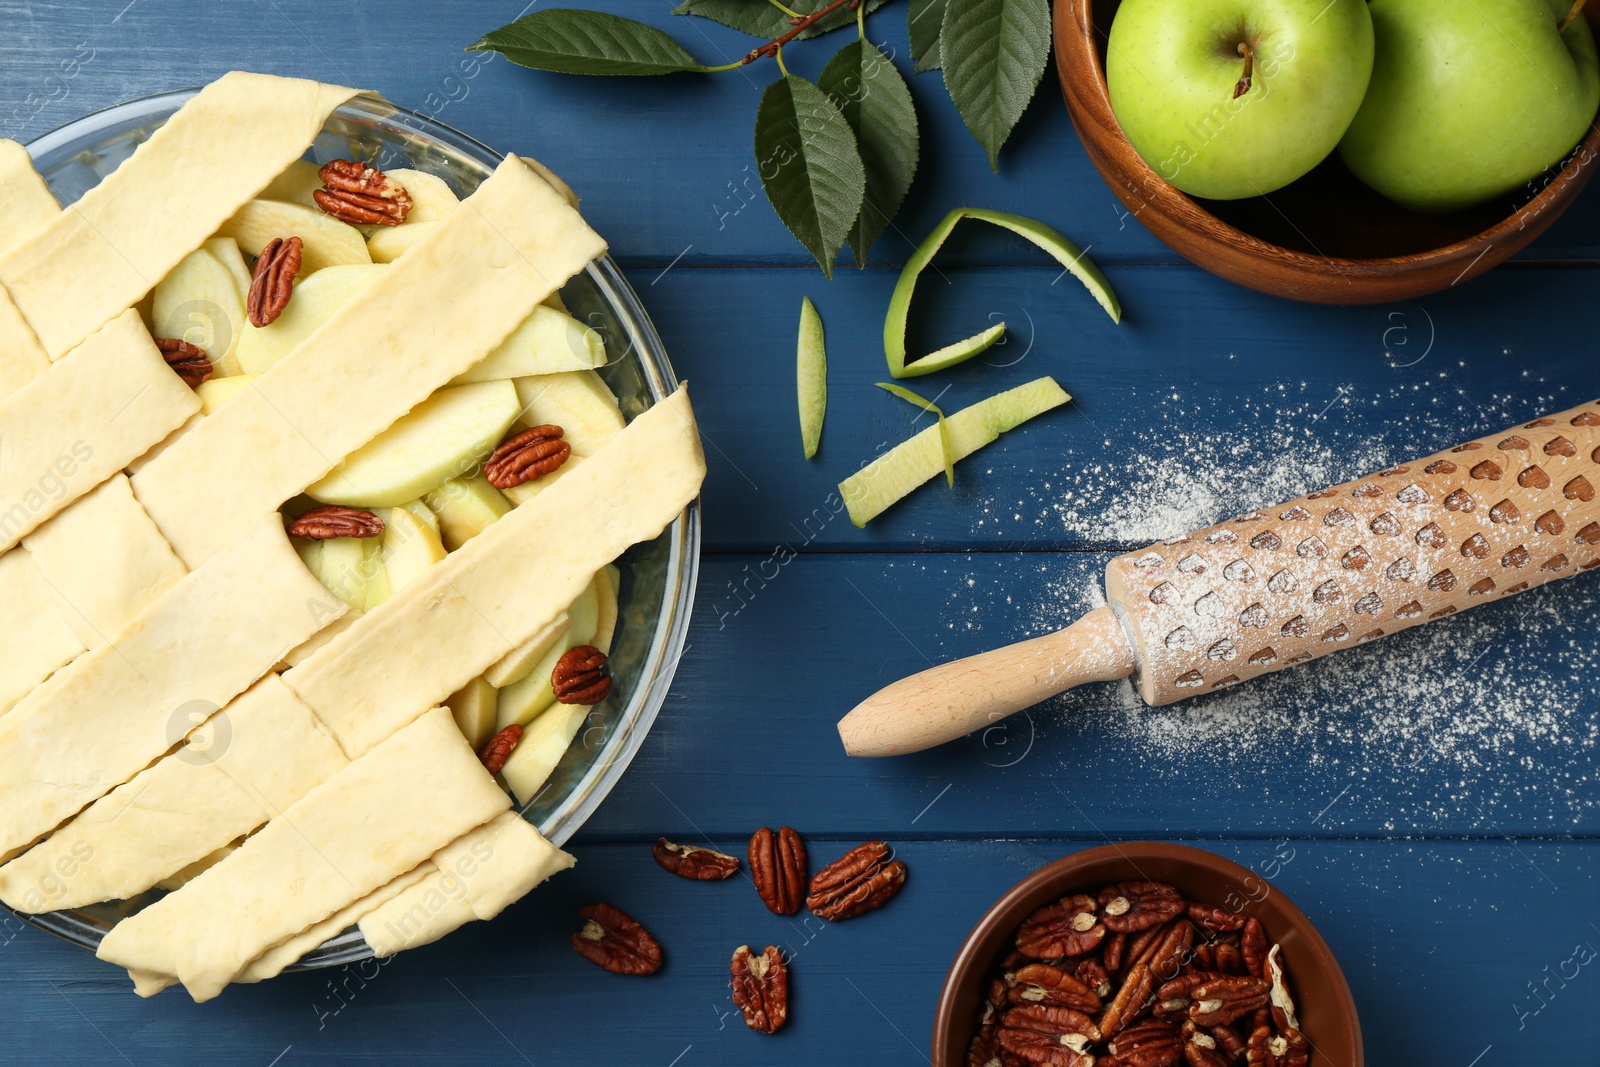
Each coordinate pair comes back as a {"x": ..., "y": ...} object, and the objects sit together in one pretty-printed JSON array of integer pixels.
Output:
[
  {"x": 1207, "y": 401},
  {"x": 1412, "y": 923},
  {"x": 700, "y": 196},
  {"x": 1479, "y": 724}
]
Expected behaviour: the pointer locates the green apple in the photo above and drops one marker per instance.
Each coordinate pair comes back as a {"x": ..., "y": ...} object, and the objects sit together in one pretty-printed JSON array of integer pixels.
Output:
[
  {"x": 517, "y": 664},
  {"x": 296, "y": 184},
  {"x": 216, "y": 392},
  {"x": 325, "y": 241},
  {"x": 315, "y": 299},
  {"x": 341, "y": 567},
  {"x": 473, "y": 708},
  {"x": 385, "y": 244},
  {"x": 466, "y": 507},
  {"x": 521, "y": 701},
  {"x": 444, "y": 436},
  {"x": 199, "y": 302},
  {"x": 1233, "y": 98},
  {"x": 535, "y": 758},
  {"x": 1469, "y": 101},
  {"x": 226, "y": 249},
  {"x": 547, "y": 342},
  {"x": 410, "y": 546},
  {"x": 577, "y": 401},
  {"x": 608, "y": 585},
  {"x": 432, "y": 199}
]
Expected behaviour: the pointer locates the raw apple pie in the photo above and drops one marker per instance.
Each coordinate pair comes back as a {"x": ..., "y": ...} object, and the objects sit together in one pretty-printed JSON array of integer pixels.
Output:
[{"x": 309, "y": 499}]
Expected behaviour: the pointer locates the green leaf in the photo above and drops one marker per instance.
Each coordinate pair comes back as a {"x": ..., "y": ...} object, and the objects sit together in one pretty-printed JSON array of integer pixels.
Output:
[
  {"x": 761, "y": 19},
  {"x": 809, "y": 166},
  {"x": 1065, "y": 252},
  {"x": 946, "y": 446},
  {"x": 994, "y": 54},
  {"x": 923, "y": 19},
  {"x": 587, "y": 42},
  {"x": 875, "y": 101}
]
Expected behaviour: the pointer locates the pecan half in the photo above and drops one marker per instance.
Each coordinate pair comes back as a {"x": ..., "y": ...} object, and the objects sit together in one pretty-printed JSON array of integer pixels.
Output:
[
  {"x": 1253, "y": 946},
  {"x": 778, "y": 868},
  {"x": 1230, "y": 960},
  {"x": 610, "y": 939},
  {"x": 1147, "y": 1044},
  {"x": 187, "y": 361},
  {"x": 1197, "y": 1054},
  {"x": 1258, "y": 1051},
  {"x": 985, "y": 1048},
  {"x": 498, "y": 750},
  {"x": 1282, "y": 1002},
  {"x": 694, "y": 862},
  {"x": 580, "y": 676},
  {"x": 1041, "y": 1034},
  {"x": 333, "y": 520},
  {"x": 525, "y": 456},
  {"x": 273, "y": 281},
  {"x": 761, "y": 988},
  {"x": 862, "y": 880},
  {"x": 1229, "y": 1043},
  {"x": 1069, "y": 927},
  {"x": 1116, "y": 951},
  {"x": 1173, "y": 998},
  {"x": 1040, "y": 983},
  {"x": 1164, "y": 949},
  {"x": 361, "y": 195},
  {"x": 1129, "y": 907},
  {"x": 1222, "y": 1000},
  {"x": 1092, "y": 973},
  {"x": 1130, "y": 1001},
  {"x": 1214, "y": 918}
]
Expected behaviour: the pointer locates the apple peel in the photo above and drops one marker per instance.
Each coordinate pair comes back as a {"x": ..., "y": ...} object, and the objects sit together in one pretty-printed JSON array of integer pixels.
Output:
[
  {"x": 886, "y": 480},
  {"x": 945, "y": 444},
  {"x": 1060, "y": 247},
  {"x": 811, "y": 377}
]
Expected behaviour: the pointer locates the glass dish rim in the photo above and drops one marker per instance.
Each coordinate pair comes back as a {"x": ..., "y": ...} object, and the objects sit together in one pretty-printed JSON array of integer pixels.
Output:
[{"x": 684, "y": 534}]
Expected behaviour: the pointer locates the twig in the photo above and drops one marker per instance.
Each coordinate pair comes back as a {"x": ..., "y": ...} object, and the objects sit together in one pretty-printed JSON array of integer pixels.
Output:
[{"x": 800, "y": 25}]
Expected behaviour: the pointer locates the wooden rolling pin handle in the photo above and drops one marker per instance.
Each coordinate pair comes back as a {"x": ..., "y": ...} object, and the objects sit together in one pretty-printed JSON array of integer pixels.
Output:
[{"x": 954, "y": 699}]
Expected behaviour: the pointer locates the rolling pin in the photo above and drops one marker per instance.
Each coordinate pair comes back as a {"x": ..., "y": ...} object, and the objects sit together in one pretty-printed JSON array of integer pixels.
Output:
[{"x": 1279, "y": 586}]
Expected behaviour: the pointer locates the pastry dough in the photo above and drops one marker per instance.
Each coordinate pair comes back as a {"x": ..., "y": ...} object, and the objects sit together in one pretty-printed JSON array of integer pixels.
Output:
[
  {"x": 472, "y": 608},
  {"x": 373, "y": 821},
  {"x": 115, "y": 710},
  {"x": 236, "y": 771},
  {"x": 105, "y": 561},
  {"x": 429, "y": 316},
  {"x": 105, "y": 252},
  {"x": 83, "y": 420},
  {"x": 473, "y": 878},
  {"x": 25, "y": 206},
  {"x": 38, "y": 640}
]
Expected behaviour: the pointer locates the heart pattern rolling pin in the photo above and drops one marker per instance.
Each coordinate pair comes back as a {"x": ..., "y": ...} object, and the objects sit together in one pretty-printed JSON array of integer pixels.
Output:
[{"x": 1279, "y": 586}]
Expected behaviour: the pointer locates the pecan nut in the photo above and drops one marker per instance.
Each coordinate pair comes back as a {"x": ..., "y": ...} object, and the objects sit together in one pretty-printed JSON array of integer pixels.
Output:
[
  {"x": 862, "y": 880},
  {"x": 1198, "y": 1054},
  {"x": 694, "y": 862},
  {"x": 525, "y": 456},
  {"x": 498, "y": 750},
  {"x": 273, "y": 281},
  {"x": 580, "y": 676},
  {"x": 1092, "y": 973},
  {"x": 1128, "y": 907},
  {"x": 1253, "y": 946},
  {"x": 1173, "y": 998},
  {"x": 361, "y": 195},
  {"x": 778, "y": 867},
  {"x": 610, "y": 939},
  {"x": 1282, "y": 1003},
  {"x": 985, "y": 1048},
  {"x": 1137, "y": 992},
  {"x": 1147, "y": 1044},
  {"x": 1069, "y": 927},
  {"x": 1049, "y": 1035},
  {"x": 331, "y": 521},
  {"x": 1212, "y": 917},
  {"x": 761, "y": 988},
  {"x": 1230, "y": 960},
  {"x": 1222, "y": 1000},
  {"x": 187, "y": 361},
  {"x": 1164, "y": 948},
  {"x": 1040, "y": 983}
]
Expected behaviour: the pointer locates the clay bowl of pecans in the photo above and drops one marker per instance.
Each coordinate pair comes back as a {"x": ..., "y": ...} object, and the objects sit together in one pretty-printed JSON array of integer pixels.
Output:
[{"x": 1145, "y": 955}]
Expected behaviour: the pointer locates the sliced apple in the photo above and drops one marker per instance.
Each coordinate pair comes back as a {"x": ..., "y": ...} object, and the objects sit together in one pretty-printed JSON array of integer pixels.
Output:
[
  {"x": 554, "y": 301},
  {"x": 607, "y": 584},
  {"x": 524, "y": 699},
  {"x": 535, "y": 758},
  {"x": 520, "y": 661},
  {"x": 316, "y": 298},
  {"x": 377, "y": 588},
  {"x": 218, "y": 391},
  {"x": 226, "y": 249},
  {"x": 410, "y": 546},
  {"x": 473, "y": 708},
  {"x": 577, "y": 401},
  {"x": 547, "y": 342},
  {"x": 199, "y": 302},
  {"x": 444, "y": 436},
  {"x": 327, "y": 241},
  {"x": 521, "y": 494},
  {"x": 341, "y": 568},
  {"x": 423, "y": 514},
  {"x": 310, "y": 554},
  {"x": 388, "y": 243},
  {"x": 432, "y": 199},
  {"x": 295, "y": 184},
  {"x": 465, "y": 507}
]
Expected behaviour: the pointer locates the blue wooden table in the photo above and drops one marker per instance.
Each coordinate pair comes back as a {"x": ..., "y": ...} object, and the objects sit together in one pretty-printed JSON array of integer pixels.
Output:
[{"x": 1429, "y": 801}]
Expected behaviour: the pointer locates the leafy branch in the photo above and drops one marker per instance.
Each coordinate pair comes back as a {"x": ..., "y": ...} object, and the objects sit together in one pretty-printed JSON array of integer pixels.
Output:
[{"x": 838, "y": 156}]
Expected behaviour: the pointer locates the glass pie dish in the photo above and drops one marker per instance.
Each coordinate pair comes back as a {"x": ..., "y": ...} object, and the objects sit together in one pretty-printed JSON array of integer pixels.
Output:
[{"x": 658, "y": 577}]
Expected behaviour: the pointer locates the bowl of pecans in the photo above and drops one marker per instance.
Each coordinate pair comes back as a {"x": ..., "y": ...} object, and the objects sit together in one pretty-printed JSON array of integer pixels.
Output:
[{"x": 1145, "y": 955}]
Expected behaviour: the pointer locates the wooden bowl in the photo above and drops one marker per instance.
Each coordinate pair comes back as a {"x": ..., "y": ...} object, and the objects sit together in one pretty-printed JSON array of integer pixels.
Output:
[
  {"x": 1326, "y": 238},
  {"x": 1327, "y": 1012}
]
